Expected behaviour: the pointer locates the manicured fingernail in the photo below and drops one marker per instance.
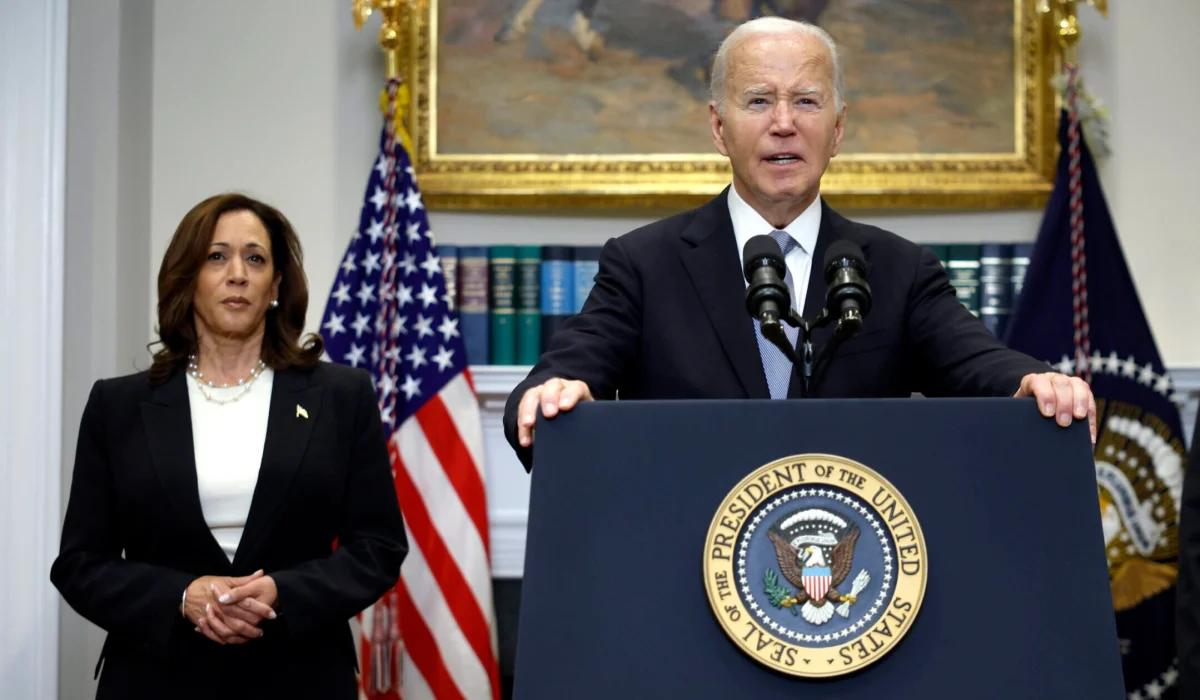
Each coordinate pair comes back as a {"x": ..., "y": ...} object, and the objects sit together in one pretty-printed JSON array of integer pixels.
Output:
[
  {"x": 1064, "y": 419},
  {"x": 206, "y": 607},
  {"x": 1048, "y": 408},
  {"x": 224, "y": 598},
  {"x": 271, "y": 615}
]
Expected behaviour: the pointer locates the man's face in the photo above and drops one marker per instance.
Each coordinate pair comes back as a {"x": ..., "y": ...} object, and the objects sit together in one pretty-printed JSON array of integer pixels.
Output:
[{"x": 780, "y": 124}]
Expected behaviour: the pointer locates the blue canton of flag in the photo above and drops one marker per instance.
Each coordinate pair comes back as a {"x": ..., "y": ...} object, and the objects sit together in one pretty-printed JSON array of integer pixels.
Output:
[
  {"x": 1079, "y": 311},
  {"x": 389, "y": 310}
]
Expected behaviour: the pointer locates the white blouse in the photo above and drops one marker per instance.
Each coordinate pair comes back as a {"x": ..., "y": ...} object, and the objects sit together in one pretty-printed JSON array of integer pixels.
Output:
[{"x": 229, "y": 441}]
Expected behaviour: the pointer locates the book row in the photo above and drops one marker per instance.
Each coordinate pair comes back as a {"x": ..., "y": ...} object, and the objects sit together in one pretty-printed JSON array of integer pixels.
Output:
[{"x": 511, "y": 299}]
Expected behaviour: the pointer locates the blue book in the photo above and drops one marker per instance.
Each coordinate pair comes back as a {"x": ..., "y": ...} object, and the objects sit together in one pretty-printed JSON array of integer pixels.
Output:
[
  {"x": 587, "y": 264},
  {"x": 558, "y": 289}
]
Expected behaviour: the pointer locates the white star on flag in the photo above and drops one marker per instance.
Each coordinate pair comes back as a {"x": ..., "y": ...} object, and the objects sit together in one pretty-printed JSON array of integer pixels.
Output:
[
  {"x": 428, "y": 295},
  {"x": 334, "y": 324},
  {"x": 416, "y": 357},
  {"x": 379, "y": 198},
  {"x": 366, "y": 293},
  {"x": 355, "y": 355},
  {"x": 382, "y": 165},
  {"x": 432, "y": 265},
  {"x": 371, "y": 262},
  {"x": 443, "y": 358},
  {"x": 375, "y": 231},
  {"x": 360, "y": 325},
  {"x": 409, "y": 264},
  {"x": 342, "y": 293},
  {"x": 424, "y": 326},
  {"x": 413, "y": 200},
  {"x": 411, "y": 387}
]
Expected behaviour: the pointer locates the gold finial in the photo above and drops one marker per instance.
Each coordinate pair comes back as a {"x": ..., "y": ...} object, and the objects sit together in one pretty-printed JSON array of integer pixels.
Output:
[
  {"x": 1062, "y": 13},
  {"x": 389, "y": 33}
]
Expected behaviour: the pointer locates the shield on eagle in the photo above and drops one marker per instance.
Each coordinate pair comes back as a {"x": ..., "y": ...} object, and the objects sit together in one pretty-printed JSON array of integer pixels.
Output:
[{"x": 816, "y": 581}]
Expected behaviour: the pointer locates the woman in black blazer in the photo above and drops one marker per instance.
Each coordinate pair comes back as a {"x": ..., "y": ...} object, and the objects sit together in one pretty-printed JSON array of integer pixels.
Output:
[{"x": 233, "y": 507}]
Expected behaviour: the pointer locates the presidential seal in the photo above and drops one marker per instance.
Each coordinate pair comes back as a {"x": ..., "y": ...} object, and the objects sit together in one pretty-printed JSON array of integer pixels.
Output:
[{"x": 815, "y": 566}]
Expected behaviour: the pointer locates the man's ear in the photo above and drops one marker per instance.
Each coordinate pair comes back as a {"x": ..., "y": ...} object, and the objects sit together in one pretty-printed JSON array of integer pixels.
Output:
[
  {"x": 839, "y": 132},
  {"x": 718, "y": 129}
]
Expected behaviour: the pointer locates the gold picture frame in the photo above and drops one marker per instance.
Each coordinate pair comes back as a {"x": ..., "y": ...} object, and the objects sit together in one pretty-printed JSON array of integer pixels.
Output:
[{"x": 1019, "y": 179}]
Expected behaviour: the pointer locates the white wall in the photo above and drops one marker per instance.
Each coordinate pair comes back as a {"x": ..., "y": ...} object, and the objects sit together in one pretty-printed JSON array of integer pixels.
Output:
[
  {"x": 33, "y": 116},
  {"x": 107, "y": 257}
]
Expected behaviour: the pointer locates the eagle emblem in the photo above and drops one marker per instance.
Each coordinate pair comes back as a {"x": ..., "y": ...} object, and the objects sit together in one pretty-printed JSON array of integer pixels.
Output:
[{"x": 815, "y": 551}]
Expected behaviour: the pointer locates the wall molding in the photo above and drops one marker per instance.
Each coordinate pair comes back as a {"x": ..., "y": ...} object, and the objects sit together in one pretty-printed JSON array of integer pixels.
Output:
[
  {"x": 33, "y": 87},
  {"x": 508, "y": 514}
]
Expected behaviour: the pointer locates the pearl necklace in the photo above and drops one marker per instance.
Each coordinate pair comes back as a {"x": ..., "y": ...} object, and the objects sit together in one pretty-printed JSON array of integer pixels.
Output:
[{"x": 245, "y": 382}]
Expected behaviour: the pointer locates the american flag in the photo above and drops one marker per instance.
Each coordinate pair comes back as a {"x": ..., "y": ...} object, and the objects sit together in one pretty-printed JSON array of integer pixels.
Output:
[{"x": 433, "y": 635}]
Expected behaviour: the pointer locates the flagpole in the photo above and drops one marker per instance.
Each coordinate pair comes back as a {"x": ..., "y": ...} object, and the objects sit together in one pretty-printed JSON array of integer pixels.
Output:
[{"x": 1062, "y": 14}]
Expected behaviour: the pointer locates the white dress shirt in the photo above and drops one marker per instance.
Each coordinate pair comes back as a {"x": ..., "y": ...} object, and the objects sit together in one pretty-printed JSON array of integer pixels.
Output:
[
  {"x": 228, "y": 441},
  {"x": 748, "y": 223}
]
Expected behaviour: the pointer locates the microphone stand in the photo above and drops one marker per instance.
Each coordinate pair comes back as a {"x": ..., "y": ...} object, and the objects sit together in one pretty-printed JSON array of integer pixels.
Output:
[{"x": 774, "y": 332}]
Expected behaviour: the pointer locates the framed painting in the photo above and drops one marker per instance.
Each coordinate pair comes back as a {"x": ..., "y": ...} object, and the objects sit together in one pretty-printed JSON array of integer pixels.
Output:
[{"x": 603, "y": 103}]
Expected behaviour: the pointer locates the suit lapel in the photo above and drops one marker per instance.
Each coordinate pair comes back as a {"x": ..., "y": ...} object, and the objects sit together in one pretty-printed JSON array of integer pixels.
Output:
[
  {"x": 167, "y": 418},
  {"x": 295, "y": 408},
  {"x": 712, "y": 264},
  {"x": 833, "y": 227}
]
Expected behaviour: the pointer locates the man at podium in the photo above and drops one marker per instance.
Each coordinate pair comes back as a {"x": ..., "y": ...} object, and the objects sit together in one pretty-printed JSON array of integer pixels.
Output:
[{"x": 667, "y": 317}]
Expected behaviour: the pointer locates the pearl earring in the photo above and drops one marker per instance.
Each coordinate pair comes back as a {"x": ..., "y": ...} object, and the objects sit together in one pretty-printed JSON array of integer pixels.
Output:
[{"x": 274, "y": 303}]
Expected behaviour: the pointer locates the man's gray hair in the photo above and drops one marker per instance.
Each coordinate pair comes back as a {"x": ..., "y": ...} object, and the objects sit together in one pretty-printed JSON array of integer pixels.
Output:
[{"x": 774, "y": 26}]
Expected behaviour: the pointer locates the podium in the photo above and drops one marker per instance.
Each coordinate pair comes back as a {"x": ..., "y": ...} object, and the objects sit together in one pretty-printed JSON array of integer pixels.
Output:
[{"x": 625, "y": 498}]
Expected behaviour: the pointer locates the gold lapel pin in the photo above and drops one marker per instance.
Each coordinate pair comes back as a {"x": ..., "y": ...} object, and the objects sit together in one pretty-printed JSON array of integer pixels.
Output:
[{"x": 300, "y": 412}]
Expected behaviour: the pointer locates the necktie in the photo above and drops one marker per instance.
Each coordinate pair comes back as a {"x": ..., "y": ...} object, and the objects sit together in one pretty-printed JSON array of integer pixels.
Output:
[{"x": 777, "y": 366}]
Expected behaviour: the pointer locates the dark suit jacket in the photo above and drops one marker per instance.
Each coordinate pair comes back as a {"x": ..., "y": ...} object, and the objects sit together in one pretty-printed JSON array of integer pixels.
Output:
[
  {"x": 667, "y": 319},
  {"x": 323, "y": 477},
  {"x": 1187, "y": 621}
]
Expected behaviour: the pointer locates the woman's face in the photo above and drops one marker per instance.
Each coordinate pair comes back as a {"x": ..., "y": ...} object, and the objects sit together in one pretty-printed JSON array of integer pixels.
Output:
[{"x": 238, "y": 280}]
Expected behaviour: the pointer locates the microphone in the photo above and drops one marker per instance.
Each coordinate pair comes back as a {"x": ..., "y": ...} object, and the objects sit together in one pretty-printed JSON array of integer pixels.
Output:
[
  {"x": 849, "y": 296},
  {"x": 767, "y": 297}
]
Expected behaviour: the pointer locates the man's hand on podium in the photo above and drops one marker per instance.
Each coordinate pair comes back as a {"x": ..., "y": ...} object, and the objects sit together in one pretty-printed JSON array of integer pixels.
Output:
[
  {"x": 1061, "y": 396},
  {"x": 553, "y": 396}
]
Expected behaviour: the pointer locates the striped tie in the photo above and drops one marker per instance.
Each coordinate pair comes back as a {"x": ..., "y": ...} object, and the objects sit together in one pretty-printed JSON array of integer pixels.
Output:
[{"x": 776, "y": 365}]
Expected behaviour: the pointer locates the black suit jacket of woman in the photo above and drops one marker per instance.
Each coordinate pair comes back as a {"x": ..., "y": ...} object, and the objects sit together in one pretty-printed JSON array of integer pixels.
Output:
[{"x": 135, "y": 537}]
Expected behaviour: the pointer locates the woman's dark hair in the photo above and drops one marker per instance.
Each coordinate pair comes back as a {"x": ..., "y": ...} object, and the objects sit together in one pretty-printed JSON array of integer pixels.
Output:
[{"x": 177, "y": 287}]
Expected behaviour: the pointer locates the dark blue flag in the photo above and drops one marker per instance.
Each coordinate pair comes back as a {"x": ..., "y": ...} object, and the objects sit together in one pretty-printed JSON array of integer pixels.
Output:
[{"x": 1079, "y": 311}]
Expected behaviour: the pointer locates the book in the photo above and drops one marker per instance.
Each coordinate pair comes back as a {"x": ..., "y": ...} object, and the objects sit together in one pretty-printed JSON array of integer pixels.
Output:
[
  {"x": 558, "y": 289},
  {"x": 529, "y": 304},
  {"x": 503, "y": 331},
  {"x": 473, "y": 302}
]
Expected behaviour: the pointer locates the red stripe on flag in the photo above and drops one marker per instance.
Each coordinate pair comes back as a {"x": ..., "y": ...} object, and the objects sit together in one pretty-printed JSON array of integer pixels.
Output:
[
  {"x": 422, "y": 649},
  {"x": 456, "y": 460},
  {"x": 455, "y": 590}
]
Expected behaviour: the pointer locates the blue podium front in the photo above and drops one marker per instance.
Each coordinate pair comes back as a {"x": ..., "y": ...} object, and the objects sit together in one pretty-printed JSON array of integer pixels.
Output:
[{"x": 928, "y": 548}]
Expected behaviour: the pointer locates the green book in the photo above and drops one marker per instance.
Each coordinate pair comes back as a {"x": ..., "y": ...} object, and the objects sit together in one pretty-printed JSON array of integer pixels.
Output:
[
  {"x": 503, "y": 259},
  {"x": 963, "y": 266},
  {"x": 529, "y": 304}
]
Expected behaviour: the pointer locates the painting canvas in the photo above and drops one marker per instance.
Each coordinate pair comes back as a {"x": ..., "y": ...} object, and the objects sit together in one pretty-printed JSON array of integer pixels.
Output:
[{"x": 523, "y": 102}]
